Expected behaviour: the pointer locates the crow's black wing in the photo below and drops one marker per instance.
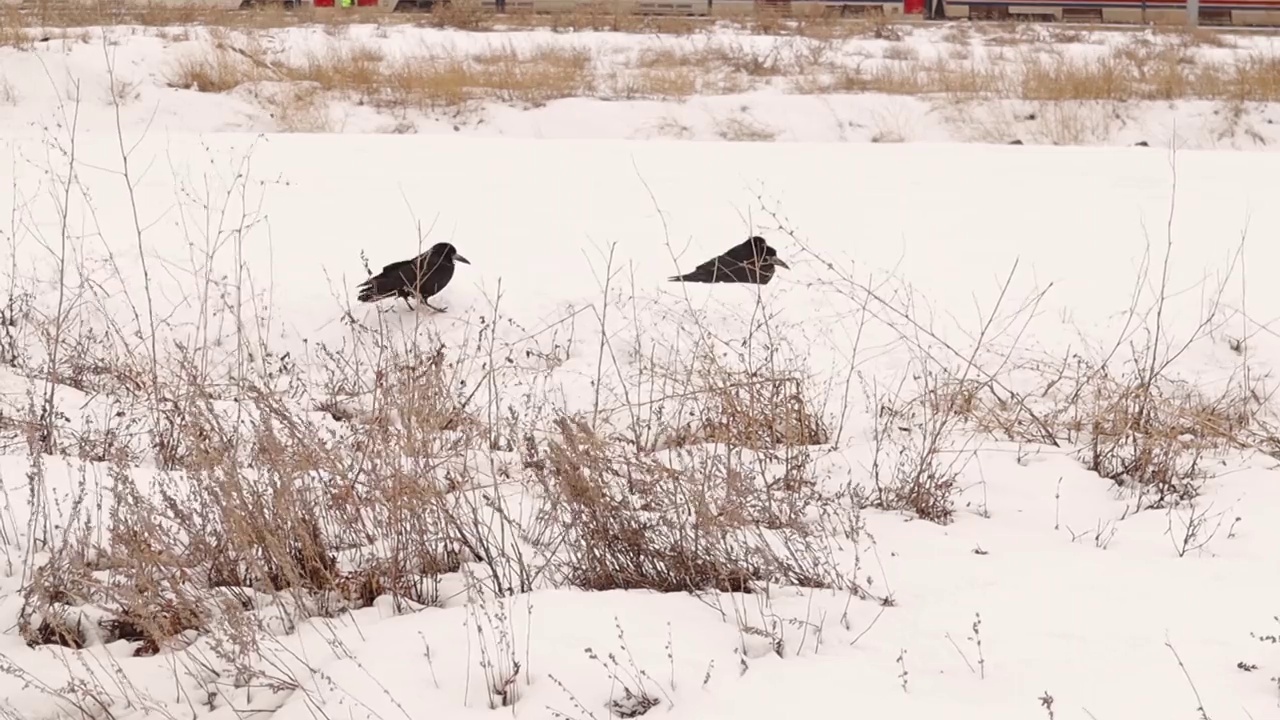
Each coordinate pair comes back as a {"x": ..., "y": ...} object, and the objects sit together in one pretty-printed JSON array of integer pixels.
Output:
[
  {"x": 394, "y": 278},
  {"x": 737, "y": 264},
  {"x": 739, "y": 254}
]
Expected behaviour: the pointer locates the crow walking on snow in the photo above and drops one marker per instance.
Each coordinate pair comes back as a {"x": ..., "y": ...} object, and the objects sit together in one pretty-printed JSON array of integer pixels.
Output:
[
  {"x": 422, "y": 276},
  {"x": 751, "y": 261}
]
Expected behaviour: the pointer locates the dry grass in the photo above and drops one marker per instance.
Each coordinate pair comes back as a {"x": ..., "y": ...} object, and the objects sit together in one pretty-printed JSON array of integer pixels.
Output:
[
  {"x": 741, "y": 127},
  {"x": 443, "y": 80},
  {"x": 640, "y": 522},
  {"x": 1126, "y": 74},
  {"x": 13, "y": 30},
  {"x": 1067, "y": 122},
  {"x": 529, "y": 77},
  {"x": 1147, "y": 436},
  {"x": 8, "y": 93},
  {"x": 669, "y": 127}
]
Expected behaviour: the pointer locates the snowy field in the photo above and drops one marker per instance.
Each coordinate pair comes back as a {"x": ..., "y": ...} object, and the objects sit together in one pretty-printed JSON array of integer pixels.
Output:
[
  {"x": 820, "y": 81},
  {"x": 1000, "y": 444}
]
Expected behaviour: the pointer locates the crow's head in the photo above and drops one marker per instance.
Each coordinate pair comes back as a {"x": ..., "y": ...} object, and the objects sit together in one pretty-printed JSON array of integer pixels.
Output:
[
  {"x": 767, "y": 255},
  {"x": 446, "y": 252}
]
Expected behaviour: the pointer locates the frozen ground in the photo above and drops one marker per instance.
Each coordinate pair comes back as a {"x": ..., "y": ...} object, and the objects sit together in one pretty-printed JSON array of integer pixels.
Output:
[
  {"x": 1050, "y": 592},
  {"x": 829, "y": 83},
  {"x": 999, "y": 445}
]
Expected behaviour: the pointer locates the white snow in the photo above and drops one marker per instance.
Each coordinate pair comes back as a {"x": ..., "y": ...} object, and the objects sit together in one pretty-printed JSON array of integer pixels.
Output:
[
  {"x": 918, "y": 270},
  {"x": 758, "y": 96}
]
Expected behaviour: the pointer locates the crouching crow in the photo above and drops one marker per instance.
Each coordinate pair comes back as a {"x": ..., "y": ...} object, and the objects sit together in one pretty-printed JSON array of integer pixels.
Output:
[{"x": 751, "y": 261}]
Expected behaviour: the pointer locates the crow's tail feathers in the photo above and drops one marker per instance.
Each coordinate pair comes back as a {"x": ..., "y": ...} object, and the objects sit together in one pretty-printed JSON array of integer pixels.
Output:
[
  {"x": 375, "y": 288},
  {"x": 697, "y": 276}
]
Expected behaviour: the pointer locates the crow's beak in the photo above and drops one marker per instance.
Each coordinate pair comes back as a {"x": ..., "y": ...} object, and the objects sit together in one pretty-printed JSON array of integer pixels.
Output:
[
  {"x": 779, "y": 263},
  {"x": 459, "y": 258}
]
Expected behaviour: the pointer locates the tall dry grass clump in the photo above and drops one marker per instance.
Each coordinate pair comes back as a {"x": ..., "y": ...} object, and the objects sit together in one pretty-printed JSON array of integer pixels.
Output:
[
  {"x": 256, "y": 496},
  {"x": 1138, "y": 69},
  {"x": 13, "y": 30},
  {"x": 520, "y": 76},
  {"x": 688, "y": 522},
  {"x": 218, "y": 72},
  {"x": 751, "y": 401}
]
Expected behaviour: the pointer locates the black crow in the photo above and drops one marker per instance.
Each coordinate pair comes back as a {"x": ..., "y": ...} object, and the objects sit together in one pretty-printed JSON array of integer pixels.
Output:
[
  {"x": 751, "y": 261},
  {"x": 422, "y": 276}
]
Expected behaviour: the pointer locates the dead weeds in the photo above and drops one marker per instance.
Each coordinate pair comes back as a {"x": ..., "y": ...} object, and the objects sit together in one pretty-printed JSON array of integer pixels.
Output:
[{"x": 531, "y": 76}]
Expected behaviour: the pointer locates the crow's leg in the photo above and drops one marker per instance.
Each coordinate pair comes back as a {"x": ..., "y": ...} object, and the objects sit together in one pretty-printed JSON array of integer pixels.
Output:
[
  {"x": 433, "y": 307},
  {"x": 406, "y": 302}
]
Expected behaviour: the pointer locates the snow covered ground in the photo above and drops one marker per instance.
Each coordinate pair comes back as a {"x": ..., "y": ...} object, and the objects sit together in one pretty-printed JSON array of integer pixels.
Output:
[
  {"x": 1000, "y": 443},
  {"x": 1078, "y": 585},
  {"x": 825, "y": 82}
]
